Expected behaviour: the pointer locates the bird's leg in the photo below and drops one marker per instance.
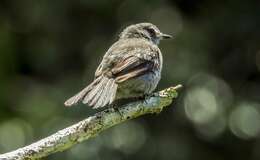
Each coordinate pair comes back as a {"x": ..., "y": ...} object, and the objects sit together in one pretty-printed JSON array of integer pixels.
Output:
[
  {"x": 115, "y": 107},
  {"x": 118, "y": 110},
  {"x": 147, "y": 96}
]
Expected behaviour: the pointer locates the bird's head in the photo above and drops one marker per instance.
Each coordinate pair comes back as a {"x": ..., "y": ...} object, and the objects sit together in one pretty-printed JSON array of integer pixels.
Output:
[{"x": 144, "y": 30}]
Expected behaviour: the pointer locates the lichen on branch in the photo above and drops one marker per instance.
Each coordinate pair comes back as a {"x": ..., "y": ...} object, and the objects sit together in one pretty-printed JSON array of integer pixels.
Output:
[{"x": 93, "y": 125}]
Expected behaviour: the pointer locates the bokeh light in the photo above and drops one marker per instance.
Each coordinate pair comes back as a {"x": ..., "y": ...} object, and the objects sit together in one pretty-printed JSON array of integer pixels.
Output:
[
  {"x": 244, "y": 121},
  {"x": 14, "y": 133},
  {"x": 200, "y": 105},
  {"x": 206, "y": 102},
  {"x": 127, "y": 138}
]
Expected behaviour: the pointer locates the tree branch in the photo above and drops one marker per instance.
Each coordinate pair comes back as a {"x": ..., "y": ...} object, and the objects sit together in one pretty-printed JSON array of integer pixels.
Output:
[{"x": 92, "y": 126}]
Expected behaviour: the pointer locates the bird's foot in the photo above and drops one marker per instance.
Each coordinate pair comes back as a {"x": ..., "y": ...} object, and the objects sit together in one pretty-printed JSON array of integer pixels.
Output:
[
  {"x": 146, "y": 97},
  {"x": 118, "y": 111},
  {"x": 115, "y": 107}
]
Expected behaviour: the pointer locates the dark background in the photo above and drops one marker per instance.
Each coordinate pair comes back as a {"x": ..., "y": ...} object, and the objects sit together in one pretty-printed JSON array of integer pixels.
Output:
[{"x": 50, "y": 49}]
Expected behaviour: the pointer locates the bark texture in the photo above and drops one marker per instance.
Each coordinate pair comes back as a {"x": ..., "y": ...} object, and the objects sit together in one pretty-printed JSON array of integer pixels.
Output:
[{"x": 92, "y": 126}]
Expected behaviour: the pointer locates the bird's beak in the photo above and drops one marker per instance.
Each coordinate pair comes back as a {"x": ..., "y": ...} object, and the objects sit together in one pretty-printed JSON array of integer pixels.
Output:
[{"x": 165, "y": 36}]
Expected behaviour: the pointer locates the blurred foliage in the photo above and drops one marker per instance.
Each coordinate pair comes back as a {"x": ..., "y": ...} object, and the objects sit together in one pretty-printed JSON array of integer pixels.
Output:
[{"x": 50, "y": 49}]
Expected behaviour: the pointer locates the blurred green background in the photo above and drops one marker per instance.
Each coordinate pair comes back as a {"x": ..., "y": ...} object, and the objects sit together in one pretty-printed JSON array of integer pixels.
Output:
[{"x": 49, "y": 50}]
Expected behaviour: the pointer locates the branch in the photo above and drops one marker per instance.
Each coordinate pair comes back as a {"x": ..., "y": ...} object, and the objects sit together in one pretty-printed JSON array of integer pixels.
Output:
[{"x": 92, "y": 126}]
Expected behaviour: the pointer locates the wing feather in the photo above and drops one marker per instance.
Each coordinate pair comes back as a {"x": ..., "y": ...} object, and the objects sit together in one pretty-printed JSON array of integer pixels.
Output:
[
  {"x": 127, "y": 60},
  {"x": 130, "y": 68}
]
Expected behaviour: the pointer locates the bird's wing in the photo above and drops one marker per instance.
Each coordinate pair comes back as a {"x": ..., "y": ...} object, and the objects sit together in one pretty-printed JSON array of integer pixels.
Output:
[
  {"x": 123, "y": 64},
  {"x": 130, "y": 67}
]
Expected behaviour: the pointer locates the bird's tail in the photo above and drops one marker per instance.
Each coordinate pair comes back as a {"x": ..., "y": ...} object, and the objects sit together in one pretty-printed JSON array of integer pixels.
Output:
[{"x": 99, "y": 93}]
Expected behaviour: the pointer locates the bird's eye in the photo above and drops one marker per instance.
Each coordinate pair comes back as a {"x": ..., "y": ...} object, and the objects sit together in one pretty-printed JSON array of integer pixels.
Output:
[{"x": 151, "y": 31}]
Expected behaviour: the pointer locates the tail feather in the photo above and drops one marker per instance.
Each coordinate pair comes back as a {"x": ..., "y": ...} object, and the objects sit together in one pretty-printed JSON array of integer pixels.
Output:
[
  {"x": 93, "y": 101},
  {"x": 102, "y": 94},
  {"x": 105, "y": 95},
  {"x": 80, "y": 96},
  {"x": 92, "y": 97},
  {"x": 77, "y": 98},
  {"x": 113, "y": 93}
]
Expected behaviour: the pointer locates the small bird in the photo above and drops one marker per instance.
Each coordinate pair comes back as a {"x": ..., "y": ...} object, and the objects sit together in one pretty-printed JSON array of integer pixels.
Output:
[{"x": 131, "y": 68}]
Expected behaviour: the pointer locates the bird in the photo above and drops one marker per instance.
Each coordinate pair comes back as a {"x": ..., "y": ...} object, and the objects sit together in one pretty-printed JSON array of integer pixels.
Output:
[{"x": 130, "y": 68}]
